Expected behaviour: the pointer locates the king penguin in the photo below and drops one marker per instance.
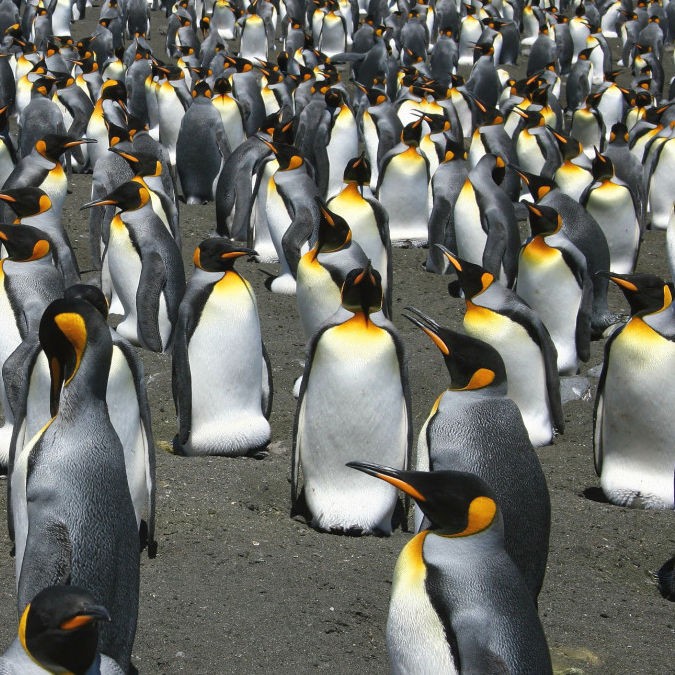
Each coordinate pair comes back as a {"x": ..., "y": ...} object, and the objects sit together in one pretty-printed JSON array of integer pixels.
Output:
[
  {"x": 219, "y": 360},
  {"x": 458, "y": 601},
  {"x": 633, "y": 421},
  {"x": 474, "y": 427},
  {"x": 73, "y": 516},
  {"x": 553, "y": 280},
  {"x": 142, "y": 254},
  {"x": 498, "y": 316},
  {"x": 354, "y": 399},
  {"x": 58, "y": 632}
]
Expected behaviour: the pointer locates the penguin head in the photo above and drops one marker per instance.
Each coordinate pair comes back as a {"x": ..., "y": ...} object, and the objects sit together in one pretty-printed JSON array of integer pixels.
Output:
[
  {"x": 495, "y": 164},
  {"x": 222, "y": 86},
  {"x": 67, "y": 330},
  {"x": 454, "y": 150},
  {"x": 473, "y": 279},
  {"x": 334, "y": 232},
  {"x": 201, "y": 88},
  {"x": 457, "y": 504},
  {"x": 334, "y": 98},
  {"x": 24, "y": 243},
  {"x": 288, "y": 156},
  {"x": 26, "y": 201},
  {"x": 646, "y": 293},
  {"x": 92, "y": 294},
  {"x": 618, "y": 134},
  {"x": 472, "y": 363},
  {"x": 59, "y": 629},
  {"x": 602, "y": 167},
  {"x": 569, "y": 146},
  {"x": 539, "y": 186},
  {"x": 127, "y": 197},
  {"x": 117, "y": 135},
  {"x": 217, "y": 254},
  {"x": 437, "y": 123},
  {"x": 281, "y": 132},
  {"x": 357, "y": 170},
  {"x": 486, "y": 115},
  {"x": 544, "y": 220},
  {"x": 52, "y": 146},
  {"x": 362, "y": 291},
  {"x": 412, "y": 133},
  {"x": 141, "y": 163},
  {"x": 113, "y": 90},
  {"x": 42, "y": 86},
  {"x": 533, "y": 118}
]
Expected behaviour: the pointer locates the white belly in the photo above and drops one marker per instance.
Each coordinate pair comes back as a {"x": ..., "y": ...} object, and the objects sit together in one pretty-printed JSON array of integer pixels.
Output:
[{"x": 353, "y": 408}]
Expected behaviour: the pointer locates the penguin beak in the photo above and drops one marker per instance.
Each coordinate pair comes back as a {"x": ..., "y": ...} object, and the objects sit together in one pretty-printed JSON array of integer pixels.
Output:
[
  {"x": 79, "y": 141},
  {"x": 620, "y": 280},
  {"x": 268, "y": 144},
  {"x": 89, "y": 614},
  {"x": 98, "y": 202},
  {"x": 7, "y": 198},
  {"x": 125, "y": 155},
  {"x": 392, "y": 476},
  {"x": 454, "y": 261},
  {"x": 429, "y": 326}
]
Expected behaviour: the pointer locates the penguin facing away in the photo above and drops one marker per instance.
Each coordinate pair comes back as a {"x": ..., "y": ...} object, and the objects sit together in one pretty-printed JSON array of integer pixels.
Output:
[
  {"x": 219, "y": 360},
  {"x": 474, "y": 427},
  {"x": 458, "y": 601},
  {"x": 354, "y": 392}
]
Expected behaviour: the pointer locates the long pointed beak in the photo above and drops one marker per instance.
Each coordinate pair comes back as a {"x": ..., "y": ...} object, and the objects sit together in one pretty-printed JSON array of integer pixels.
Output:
[{"x": 389, "y": 475}]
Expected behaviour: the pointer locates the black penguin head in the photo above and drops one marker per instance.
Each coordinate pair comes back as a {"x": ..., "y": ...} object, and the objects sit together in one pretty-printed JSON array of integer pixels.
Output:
[
  {"x": 26, "y": 201},
  {"x": 117, "y": 134},
  {"x": 453, "y": 150},
  {"x": 222, "y": 86},
  {"x": 412, "y": 133},
  {"x": 113, "y": 90},
  {"x": 486, "y": 115},
  {"x": 495, "y": 164},
  {"x": 619, "y": 134},
  {"x": 543, "y": 219},
  {"x": 357, "y": 170},
  {"x": 473, "y": 279},
  {"x": 67, "y": 328},
  {"x": 43, "y": 86},
  {"x": 334, "y": 233},
  {"x": 24, "y": 243},
  {"x": 92, "y": 294},
  {"x": 288, "y": 156},
  {"x": 437, "y": 123},
  {"x": 141, "y": 163},
  {"x": 362, "y": 291},
  {"x": 568, "y": 145},
  {"x": 602, "y": 168},
  {"x": 472, "y": 363},
  {"x": 201, "y": 88},
  {"x": 52, "y": 146},
  {"x": 646, "y": 293},
  {"x": 533, "y": 118},
  {"x": 282, "y": 132},
  {"x": 539, "y": 186},
  {"x": 127, "y": 197},
  {"x": 458, "y": 504},
  {"x": 59, "y": 630},
  {"x": 217, "y": 254}
]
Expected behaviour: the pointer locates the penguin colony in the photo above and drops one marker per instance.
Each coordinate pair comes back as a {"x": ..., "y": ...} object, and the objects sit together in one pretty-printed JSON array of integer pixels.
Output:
[{"x": 325, "y": 134}]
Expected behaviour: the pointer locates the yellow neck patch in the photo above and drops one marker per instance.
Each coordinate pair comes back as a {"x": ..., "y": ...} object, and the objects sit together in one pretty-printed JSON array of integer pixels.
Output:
[
  {"x": 482, "y": 511},
  {"x": 73, "y": 327}
]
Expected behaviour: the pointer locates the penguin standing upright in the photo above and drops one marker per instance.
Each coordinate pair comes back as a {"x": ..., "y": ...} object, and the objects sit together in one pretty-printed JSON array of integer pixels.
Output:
[
  {"x": 219, "y": 361},
  {"x": 58, "y": 632},
  {"x": 633, "y": 421},
  {"x": 368, "y": 222},
  {"x": 498, "y": 316},
  {"x": 553, "y": 279},
  {"x": 458, "y": 601},
  {"x": 403, "y": 188},
  {"x": 613, "y": 205},
  {"x": 474, "y": 427},
  {"x": 146, "y": 268},
  {"x": 73, "y": 516},
  {"x": 201, "y": 147},
  {"x": 354, "y": 394}
]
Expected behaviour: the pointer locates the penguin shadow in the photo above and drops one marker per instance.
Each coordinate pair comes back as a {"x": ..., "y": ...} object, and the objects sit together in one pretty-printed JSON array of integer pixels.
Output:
[{"x": 595, "y": 494}]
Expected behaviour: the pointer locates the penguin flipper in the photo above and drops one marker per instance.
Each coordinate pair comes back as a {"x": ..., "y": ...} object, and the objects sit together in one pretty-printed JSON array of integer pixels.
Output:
[
  {"x": 181, "y": 378},
  {"x": 475, "y": 656},
  {"x": 576, "y": 261},
  {"x": 268, "y": 388},
  {"x": 151, "y": 283},
  {"x": 47, "y": 560},
  {"x": 136, "y": 368},
  {"x": 382, "y": 222}
]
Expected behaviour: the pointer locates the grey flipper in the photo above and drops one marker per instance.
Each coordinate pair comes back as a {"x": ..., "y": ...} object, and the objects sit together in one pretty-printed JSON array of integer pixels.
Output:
[
  {"x": 47, "y": 559},
  {"x": 382, "y": 220},
  {"x": 150, "y": 287},
  {"x": 268, "y": 388},
  {"x": 577, "y": 263},
  {"x": 181, "y": 380}
]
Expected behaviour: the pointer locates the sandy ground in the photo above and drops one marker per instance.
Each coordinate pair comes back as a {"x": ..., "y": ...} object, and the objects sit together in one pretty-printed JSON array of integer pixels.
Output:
[{"x": 240, "y": 587}]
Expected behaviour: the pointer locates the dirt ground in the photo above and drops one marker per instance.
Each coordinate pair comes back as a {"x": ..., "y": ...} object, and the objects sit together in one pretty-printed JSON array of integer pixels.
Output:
[{"x": 240, "y": 587}]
